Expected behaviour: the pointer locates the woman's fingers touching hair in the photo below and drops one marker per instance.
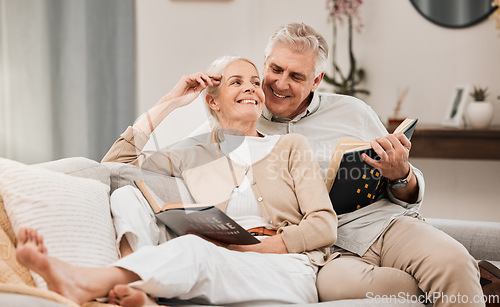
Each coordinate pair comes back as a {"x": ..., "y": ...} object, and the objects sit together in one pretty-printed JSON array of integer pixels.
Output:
[
  {"x": 201, "y": 80},
  {"x": 211, "y": 80},
  {"x": 217, "y": 78}
]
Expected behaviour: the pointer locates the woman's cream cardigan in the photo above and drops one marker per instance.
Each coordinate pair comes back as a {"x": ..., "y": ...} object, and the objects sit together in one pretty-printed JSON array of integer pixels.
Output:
[{"x": 287, "y": 185}]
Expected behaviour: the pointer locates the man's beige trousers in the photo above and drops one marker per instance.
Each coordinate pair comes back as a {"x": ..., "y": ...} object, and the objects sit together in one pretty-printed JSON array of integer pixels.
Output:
[{"x": 409, "y": 255}]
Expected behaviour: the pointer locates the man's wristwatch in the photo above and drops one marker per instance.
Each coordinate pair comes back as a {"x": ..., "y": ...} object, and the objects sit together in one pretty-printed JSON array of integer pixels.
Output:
[{"x": 400, "y": 183}]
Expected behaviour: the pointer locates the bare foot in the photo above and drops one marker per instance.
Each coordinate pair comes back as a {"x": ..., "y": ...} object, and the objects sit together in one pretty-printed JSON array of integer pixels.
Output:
[
  {"x": 79, "y": 284},
  {"x": 127, "y": 296}
]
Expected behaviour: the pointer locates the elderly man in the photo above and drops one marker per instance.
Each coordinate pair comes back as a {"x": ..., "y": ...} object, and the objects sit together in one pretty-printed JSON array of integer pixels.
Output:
[{"x": 387, "y": 249}]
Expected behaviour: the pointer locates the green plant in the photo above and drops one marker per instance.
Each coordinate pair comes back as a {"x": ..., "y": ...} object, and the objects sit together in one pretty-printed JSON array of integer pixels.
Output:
[{"x": 479, "y": 93}]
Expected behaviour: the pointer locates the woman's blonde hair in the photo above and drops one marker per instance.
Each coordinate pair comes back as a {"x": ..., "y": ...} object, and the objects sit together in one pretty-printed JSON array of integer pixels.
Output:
[{"x": 217, "y": 67}]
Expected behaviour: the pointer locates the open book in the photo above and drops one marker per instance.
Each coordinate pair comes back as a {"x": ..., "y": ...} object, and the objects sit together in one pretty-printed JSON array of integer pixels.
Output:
[
  {"x": 205, "y": 220},
  {"x": 351, "y": 182}
]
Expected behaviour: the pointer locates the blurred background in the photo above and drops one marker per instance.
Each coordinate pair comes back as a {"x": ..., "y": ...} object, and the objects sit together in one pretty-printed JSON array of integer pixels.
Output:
[{"x": 75, "y": 74}]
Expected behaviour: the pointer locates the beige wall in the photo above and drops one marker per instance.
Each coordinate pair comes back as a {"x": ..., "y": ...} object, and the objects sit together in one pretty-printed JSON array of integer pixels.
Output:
[
  {"x": 398, "y": 48},
  {"x": 461, "y": 189}
]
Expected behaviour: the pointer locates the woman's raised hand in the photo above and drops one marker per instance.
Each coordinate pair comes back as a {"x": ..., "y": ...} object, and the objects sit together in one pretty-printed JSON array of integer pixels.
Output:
[
  {"x": 189, "y": 87},
  {"x": 185, "y": 91}
]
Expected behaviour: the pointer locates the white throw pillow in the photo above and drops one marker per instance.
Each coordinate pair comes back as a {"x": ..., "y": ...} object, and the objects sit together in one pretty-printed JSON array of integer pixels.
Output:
[{"x": 71, "y": 213}]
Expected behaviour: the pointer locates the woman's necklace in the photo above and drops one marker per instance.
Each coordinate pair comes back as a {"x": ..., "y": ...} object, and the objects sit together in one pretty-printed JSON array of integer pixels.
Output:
[{"x": 235, "y": 181}]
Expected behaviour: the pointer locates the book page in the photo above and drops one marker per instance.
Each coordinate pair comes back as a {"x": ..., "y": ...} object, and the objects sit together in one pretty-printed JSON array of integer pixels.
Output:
[
  {"x": 177, "y": 205},
  {"x": 149, "y": 195},
  {"x": 404, "y": 125},
  {"x": 343, "y": 146},
  {"x": 155, "y": 201}
]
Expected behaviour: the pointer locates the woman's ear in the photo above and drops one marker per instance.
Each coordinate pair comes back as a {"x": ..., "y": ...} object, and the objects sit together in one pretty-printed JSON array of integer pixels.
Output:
[{"x": 210, "y": 100}]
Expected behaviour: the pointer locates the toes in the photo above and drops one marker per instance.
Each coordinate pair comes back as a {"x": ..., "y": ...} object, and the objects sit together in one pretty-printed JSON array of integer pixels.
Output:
[
  {"x": 112, "y": 299},
  {"x": 22, "y": 235},
  {"x": 31, "y": 234},
  {"x": 39, "y": 238},
  {"x": 127, "y": 296},
  {"x": 41, "y": 247},
  {"x": 26, "y": 235},
  {"x": 122, "y": 290},
  {"x": 35, "y": 236},
  {"x": 136, "y": 298}
]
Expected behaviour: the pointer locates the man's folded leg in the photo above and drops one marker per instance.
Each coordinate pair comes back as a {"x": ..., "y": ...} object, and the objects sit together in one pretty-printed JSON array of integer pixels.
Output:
[{"x": 442, "y": 267}]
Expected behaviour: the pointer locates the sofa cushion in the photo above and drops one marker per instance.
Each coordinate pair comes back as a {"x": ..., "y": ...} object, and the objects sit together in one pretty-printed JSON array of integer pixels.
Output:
[
  {"x": 169, "y": 189},
  {"x": 71, "y": 213},
  {"x": 382, "y": 302},
  {"x": 77, "y": 166},
  {"x": 22, "y": 295},
  {"x": 22, "y": 300}
]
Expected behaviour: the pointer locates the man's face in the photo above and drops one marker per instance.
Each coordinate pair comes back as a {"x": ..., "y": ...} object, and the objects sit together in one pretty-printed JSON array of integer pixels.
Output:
[{"x": 288, "y": 79}]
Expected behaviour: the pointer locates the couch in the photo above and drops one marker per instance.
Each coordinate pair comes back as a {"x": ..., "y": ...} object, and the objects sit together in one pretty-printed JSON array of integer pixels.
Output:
[{"x": 84, "y": 180}]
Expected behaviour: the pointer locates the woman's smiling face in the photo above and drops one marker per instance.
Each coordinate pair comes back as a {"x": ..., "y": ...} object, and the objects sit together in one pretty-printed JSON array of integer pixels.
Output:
[{"x": 240, "y": 98}]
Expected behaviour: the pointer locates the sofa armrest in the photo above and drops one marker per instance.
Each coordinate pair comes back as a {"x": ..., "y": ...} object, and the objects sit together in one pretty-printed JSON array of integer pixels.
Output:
[
  {"x": 169, "y": 189},
  {"x": 482, "y": 239},
  {"x": 79, "y": 167}
]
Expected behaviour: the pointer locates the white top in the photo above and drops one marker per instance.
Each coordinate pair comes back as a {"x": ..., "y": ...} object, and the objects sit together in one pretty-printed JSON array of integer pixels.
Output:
[{"x": 246, "y": 150}]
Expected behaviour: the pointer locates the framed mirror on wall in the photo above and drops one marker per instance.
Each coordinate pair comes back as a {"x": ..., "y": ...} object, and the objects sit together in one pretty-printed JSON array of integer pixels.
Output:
[{"x": 454, "y": 13}]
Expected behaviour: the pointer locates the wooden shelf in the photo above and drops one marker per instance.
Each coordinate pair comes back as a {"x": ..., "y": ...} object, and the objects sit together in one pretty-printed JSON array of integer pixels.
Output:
[{"x": 448, "y": 143}]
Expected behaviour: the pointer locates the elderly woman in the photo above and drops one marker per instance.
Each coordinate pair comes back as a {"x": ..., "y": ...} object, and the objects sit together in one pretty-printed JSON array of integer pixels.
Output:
[{"x": 261, "y": 181}]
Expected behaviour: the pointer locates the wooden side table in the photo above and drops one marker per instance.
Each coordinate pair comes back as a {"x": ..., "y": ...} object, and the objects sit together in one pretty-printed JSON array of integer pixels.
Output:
[{"x": 433, "y": 141}]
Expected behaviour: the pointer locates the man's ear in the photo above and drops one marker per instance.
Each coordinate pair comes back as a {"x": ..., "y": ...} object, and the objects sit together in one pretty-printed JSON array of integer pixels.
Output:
[
  {"x": 210, "y": 100},
  {"x": 317, "y": 81}
]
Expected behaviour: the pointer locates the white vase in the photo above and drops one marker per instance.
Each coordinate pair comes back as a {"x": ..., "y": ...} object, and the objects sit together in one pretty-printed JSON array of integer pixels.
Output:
[{"x": 479, "y": 114}]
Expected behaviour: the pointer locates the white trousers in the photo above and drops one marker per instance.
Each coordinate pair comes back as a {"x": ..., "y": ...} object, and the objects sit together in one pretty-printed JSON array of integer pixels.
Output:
[
  {"x": 190, "y": 268},
  {"x": 134, "y": 219}
]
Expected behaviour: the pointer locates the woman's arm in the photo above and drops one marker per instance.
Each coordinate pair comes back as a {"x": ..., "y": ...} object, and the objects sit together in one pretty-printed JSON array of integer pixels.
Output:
[
  {"x": 128, "y": 147},
  {"x": 270, "y": 245},
  {"x": 185, "y": 91},
  {"x": 318, "y": 226}
]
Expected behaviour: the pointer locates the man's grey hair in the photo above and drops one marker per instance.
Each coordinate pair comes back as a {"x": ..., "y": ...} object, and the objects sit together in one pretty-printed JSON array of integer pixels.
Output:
[{"x": 300, "y": 37}]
